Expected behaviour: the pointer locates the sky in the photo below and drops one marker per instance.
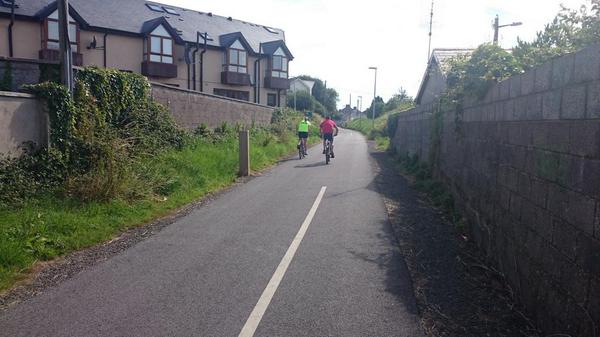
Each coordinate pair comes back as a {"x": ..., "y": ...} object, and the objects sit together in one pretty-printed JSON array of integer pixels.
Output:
[{"x": 338, "y": 40}]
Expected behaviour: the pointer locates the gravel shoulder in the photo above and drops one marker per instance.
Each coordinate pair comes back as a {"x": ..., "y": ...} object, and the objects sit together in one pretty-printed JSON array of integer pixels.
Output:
[{"x": 457, "y": 293}]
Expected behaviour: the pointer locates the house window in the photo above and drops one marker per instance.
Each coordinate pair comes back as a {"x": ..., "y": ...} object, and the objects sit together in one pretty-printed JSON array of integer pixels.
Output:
[
  {"x": 279, "y": 64},
  {"x": 236, "y": 59},
  {"x": 271, "y": 100},
  {"x": 50, "y": 33},
  {"x": 158, "y": 46},
  {"x": 241, "y": 95}
]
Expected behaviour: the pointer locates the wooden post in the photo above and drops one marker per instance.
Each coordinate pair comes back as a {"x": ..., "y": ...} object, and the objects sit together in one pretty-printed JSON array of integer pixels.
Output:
[{"x": 244, "y": 153}]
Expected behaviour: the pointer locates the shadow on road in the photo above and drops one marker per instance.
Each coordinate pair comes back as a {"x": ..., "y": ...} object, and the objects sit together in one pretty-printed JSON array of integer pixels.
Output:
[
  {"x": 397, "y": 276},
  {"x": 317, "y": 164}
]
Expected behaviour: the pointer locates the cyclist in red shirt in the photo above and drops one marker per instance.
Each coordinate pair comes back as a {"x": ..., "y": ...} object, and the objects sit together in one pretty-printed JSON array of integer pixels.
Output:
[{"x": 327, "y": 127}]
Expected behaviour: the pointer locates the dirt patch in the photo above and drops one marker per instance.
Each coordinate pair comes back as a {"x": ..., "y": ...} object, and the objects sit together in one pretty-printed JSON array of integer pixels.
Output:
[{"x": 457, "y": 293}]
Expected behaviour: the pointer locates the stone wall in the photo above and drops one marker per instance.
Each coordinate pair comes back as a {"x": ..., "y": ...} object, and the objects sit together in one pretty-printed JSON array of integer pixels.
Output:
[
  {"x": 23, "y": 72},
  {"x": 191, "y": 108},
  {"x": 22, "y": 119},
  {"x": 525, "y": 171}
]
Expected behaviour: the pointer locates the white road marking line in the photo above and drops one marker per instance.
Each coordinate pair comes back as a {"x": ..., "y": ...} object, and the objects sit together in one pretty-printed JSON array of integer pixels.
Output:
[{"x": 265, "y": 299}]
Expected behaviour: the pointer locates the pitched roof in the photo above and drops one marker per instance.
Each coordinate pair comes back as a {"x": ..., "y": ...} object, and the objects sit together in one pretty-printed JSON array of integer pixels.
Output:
[
  {"x": 150, "y": 25},
  {"x": 443, "y": 56},
  {"x": 440, "y": 58},
  {"x": 227, "y": 40},
  {"x": 308, "y": 84},
  {"x": 129, "y": 16},
  {"x": 271, "y": 47}
]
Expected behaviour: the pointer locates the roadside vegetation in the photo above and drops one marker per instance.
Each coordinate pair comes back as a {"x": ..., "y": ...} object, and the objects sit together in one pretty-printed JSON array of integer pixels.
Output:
[
  {"x": 469, "y": 78},
  {"x": 116, "y": 160},
  {"x": 378, "y": 131},
  {"x": 321, "y": 100}
]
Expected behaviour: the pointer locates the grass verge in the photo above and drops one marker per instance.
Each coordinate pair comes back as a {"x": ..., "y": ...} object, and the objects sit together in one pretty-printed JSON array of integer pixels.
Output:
[
  {"x": 377, "y": 133},
  {"x": 48, "y": 226}
]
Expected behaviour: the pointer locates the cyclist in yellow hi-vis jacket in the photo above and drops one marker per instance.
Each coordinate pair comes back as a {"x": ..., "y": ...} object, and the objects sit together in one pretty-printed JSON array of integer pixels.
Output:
[{"x": 303, "y": 133}]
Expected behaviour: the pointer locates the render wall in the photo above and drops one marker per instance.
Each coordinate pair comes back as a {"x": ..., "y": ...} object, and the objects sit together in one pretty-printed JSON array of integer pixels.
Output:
[
  {"x": 191, "y": 109},
  {"x": 524, "y": 167},
  {"x": 22, "y": 119}
]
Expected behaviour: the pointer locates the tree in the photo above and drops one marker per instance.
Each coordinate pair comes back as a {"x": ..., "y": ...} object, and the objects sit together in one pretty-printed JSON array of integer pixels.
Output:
[
  {"x": 379, "y": 105},
  {"x": 399, "y": 100},
  {"x": 570, "y": 31},
  {"x": 328, "y": 97},
  {"x": 304, "y": 101},
  {"x": 473, "y": 76}
]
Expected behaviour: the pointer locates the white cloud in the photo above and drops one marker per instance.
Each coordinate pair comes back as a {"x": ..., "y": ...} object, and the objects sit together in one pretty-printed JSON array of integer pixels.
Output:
[{"x": 337, "y": 40}]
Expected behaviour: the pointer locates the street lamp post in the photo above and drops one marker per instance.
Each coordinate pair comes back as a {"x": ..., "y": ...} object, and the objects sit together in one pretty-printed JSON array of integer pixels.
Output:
[
  {"x": 374, "y": 96},
  {"x": 497, "y": 27}
]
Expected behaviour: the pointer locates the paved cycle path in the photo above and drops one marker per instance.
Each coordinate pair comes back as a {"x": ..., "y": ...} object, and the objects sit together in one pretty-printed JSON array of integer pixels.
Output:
[{"x": 253, "y": 260}]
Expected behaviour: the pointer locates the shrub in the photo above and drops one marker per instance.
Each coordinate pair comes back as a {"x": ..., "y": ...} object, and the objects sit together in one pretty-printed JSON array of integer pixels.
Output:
[{"x": 101, "y": 132}]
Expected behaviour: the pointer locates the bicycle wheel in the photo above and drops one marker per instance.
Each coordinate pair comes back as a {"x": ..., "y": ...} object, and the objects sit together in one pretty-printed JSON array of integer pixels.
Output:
[{"x": 327, "y": 155}]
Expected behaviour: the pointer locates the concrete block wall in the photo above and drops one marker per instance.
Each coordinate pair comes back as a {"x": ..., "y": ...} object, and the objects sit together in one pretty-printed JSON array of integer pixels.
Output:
[
  {"x": 191, "y": 109},
  {"x": 22, "y": 119},
  {"x": 413, "y": 134},
  {"x": 525, "y": 170},
  {"x": 23, "y": 72}
]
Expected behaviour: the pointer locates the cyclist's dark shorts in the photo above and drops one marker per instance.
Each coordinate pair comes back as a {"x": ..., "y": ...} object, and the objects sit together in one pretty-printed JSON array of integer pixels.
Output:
[
  {"x": 328, "y": 136},
  {"x": 302, "y": 135}
]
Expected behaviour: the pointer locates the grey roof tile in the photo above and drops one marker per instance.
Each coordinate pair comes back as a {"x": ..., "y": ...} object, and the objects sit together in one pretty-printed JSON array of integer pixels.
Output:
[{"x": 130, "y": 16}]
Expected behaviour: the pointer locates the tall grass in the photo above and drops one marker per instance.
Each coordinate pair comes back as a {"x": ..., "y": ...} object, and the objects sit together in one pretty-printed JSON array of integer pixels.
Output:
[
  {"x": 48, "y": 226},
  {"x": 377, "y": 133}
]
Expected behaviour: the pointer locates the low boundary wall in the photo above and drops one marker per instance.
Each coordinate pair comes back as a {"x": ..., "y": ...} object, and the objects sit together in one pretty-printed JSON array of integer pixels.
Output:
[
  {"x": 191, "y": 108},
  {"x": 22, "y": 119}
]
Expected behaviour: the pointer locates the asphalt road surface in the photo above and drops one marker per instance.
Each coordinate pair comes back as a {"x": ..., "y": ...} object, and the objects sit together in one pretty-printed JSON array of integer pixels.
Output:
[{"x": 304, "y": 250}]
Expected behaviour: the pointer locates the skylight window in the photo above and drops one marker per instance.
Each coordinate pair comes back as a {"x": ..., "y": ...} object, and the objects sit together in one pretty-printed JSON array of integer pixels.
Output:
[
  {"x": 8, "y": 3},
  {"x": 170, "y": 10},
  {"x": 155, "y": 8},
  {"x": 271, "y": 30}
]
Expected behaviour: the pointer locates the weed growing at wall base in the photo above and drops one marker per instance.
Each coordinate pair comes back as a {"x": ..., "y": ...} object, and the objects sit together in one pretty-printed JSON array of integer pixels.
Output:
[
  {"x": 45, "y": 226},
  {"x": 436, "y": 191},
  {"x": 115, "y": 163}
]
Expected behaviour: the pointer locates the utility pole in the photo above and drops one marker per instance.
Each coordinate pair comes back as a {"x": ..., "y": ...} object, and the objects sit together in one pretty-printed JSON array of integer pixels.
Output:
[
  {"x": 374, "y": 96},
  {"x": 497, "y": 27},
  {"x": 66, "y": 56},
  {"x": 360, "y": 113},
  {"x": 430, "y": 31}
]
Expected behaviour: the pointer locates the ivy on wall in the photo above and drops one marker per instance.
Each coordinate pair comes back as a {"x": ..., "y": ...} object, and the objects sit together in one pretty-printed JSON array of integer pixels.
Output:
[
  {"x": 100, "y": 132},
  {"x": 6, "y": 84}
]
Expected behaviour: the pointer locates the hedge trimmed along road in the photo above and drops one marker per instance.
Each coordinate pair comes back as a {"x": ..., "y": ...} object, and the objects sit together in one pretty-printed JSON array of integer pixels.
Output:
[{"x": 303, "y": 250}]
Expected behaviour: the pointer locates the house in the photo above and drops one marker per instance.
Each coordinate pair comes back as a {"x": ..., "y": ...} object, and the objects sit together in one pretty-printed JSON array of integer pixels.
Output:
[
  {"x": 433, "y": 84},
  {"x": 297, "y": 84},
  {"x": 348, "y": 113},
  {"x": 171, "y": 45}
]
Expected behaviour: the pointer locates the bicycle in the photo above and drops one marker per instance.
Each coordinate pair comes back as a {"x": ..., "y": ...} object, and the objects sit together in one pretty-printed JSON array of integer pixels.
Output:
[
  {"x": 328, "y": 152},
  {"x": 301, "y": 150}
]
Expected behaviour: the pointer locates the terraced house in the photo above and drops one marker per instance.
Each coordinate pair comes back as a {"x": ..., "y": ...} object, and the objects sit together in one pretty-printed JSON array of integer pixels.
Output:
[{"x": 170, "y": 45}]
